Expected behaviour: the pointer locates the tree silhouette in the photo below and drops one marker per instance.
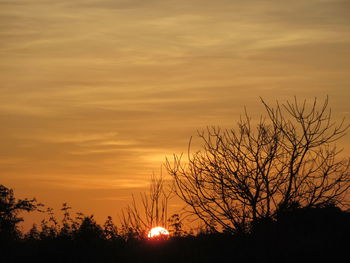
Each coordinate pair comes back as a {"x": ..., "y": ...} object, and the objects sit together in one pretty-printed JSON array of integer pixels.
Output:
[
  {"x": 49, "y": 228},
  {"x": 309, "y": 233},
  {"x": 175, "y": 225},
  {"x": 10, "y": 207},
  {"x": 137, "y": 220},
  {"x": 110, "y": 230},
  {"x": 288, "y": 159},
  {"x": 89, "y": 230}
]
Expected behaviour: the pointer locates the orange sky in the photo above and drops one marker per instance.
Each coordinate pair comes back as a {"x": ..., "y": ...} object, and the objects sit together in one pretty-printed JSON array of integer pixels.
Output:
[{"x": 95, "y": 93}]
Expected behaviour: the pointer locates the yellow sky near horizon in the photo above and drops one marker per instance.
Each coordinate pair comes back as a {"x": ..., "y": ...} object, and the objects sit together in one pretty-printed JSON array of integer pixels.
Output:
[{"x": 95, "y": 93}]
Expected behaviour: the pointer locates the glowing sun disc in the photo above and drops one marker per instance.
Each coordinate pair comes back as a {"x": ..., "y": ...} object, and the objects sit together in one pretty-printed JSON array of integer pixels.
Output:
[{"x": 157, "y": 232}]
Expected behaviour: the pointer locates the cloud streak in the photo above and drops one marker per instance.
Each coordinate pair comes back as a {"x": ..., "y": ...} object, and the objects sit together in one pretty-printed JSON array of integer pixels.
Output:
[{"x": 93, "y": 93}]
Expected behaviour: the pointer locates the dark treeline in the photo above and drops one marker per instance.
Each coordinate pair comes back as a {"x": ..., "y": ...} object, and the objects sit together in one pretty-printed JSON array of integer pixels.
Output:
[
  {"x": 277, "y": 192},
  {"x": 318, "y": 234}
]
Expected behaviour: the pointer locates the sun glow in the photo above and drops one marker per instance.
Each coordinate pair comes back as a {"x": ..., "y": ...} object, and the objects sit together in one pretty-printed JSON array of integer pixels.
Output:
[{"x": 158, "y": 232}]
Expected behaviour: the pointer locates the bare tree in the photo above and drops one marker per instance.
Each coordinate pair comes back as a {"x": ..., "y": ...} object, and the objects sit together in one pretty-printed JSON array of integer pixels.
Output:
[
  {"x": 289, "y": 158},
  {"x": 149, "y": 211}
]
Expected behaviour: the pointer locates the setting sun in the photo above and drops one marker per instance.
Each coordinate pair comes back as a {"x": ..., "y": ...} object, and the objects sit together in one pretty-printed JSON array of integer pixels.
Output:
[
  {"x": 158, "y": 232},
  {"x": 182, "y": 131}
]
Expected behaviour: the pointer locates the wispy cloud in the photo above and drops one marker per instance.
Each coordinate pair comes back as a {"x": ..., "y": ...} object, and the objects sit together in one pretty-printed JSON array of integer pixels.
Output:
[{"x": 94, "y": 92}]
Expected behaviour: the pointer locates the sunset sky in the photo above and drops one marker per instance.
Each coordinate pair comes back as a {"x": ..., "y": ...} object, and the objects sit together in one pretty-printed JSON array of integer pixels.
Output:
[{"x": 95, "y": 93}]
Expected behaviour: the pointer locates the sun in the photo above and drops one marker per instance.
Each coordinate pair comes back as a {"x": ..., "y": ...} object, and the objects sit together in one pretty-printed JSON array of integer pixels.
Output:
[{"x": 157, "y": 232}]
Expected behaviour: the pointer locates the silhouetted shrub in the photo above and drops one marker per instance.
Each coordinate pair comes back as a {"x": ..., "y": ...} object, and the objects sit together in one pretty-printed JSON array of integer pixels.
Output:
[{"x": 10, "y": 207}]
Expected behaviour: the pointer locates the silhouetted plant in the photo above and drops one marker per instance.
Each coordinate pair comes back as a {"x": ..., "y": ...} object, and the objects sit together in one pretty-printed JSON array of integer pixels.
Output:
[
  {"x": 69, "y": 225},
  {"x": 316, "y": 234},
  {"x": 250, "y": 173},
  {"x": 49, "y": 227},
  {"x": 47, "y": 231},
  {"x": 89, "y": 230},
  {"x": 110, "y": 230},
  {"x": 10, "y": 208},
  {"x": 175, "y": 226},
  {"x": 33, "y": 233},
  {"x": 209, "y": 228},
  {"x": 152, "y": 212},
  {"x": 129, "y": 233}
]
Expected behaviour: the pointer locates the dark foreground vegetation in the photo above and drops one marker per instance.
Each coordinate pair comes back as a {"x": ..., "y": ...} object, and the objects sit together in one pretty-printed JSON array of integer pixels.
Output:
[
  {"x": 319, "y": 234},
  {"x": 274, "y": 193}
]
